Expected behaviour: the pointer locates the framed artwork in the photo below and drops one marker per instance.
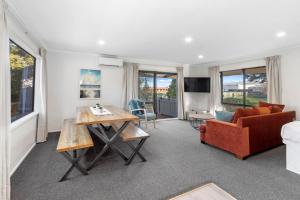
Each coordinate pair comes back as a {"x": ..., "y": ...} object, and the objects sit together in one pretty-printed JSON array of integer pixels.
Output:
[{"x": 90, "y": 83}]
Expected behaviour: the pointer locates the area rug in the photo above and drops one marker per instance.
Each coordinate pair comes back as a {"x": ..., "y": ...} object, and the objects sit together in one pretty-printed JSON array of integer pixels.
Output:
[{"x": 208, "y": 191}]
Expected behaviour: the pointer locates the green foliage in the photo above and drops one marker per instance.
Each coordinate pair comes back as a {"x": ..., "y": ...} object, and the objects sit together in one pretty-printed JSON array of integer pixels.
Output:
[
  {"x": 253, "y": 101},
  {"x": 19, "y": 58},
  {"x": 260, "y": 77},
  {"x": 145, "y": 92},
  {"x": 172, "y": 90},
  {"x": 232, "y": 100},
  {"x": 20, "y": 61}
]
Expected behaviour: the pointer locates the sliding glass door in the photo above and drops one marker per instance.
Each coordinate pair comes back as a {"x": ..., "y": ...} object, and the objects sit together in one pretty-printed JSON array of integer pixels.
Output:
[{"x": 160, "y": 90}]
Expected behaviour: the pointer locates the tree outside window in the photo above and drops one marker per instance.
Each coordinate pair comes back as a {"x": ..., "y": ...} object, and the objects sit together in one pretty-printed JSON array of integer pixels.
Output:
[{"x": 22, "y": 65}]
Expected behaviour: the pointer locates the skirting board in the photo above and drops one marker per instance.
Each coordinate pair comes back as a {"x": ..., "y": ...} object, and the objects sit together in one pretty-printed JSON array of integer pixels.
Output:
[{"x": 22, "y": 159}]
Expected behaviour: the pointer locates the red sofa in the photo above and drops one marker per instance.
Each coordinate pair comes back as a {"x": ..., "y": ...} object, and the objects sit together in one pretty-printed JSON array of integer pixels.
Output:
[{"x": 249, "y": 135}]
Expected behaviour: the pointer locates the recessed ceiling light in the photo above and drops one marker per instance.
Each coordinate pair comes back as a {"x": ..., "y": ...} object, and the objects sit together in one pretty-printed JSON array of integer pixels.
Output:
[
  {"x": 200, "y": 56},
  {"x": 188, "y": 39},
  {"x": 281, "y": 34},
  {"x": 101, "y": 42}
]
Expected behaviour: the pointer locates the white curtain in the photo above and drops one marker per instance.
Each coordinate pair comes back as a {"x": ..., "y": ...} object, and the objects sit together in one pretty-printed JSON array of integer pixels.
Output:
[
  {"x": 273, "y": 65},
  {"x": 215, "y": 89},
  {"x": 180, "y": 92},
  {"x": 130, "y": 83},
  {"x": 42, "y": 131},
  {"x": 4, "y": 106}
]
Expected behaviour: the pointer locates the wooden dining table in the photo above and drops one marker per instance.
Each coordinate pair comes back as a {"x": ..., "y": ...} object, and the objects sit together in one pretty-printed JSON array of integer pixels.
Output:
[{"x": 97, "y": 124}]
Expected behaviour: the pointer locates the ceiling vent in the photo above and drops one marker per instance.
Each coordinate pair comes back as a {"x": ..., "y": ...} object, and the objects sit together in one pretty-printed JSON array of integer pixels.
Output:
[{"x": 112, "y": 62}]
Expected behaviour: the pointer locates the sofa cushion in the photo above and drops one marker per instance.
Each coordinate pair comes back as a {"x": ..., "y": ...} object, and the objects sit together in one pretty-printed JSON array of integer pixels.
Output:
[
  {"x": 275, "y": 108},
  {"x": 240, "y": 112},
  {"x": 224, "y": 116},
  {"x": 263, "y": 110}
]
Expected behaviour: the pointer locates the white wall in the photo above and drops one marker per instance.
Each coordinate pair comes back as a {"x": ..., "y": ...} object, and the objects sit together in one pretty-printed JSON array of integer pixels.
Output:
[
  {"x": 23, "y": 138},
  {"x": 63, "y": 85},
  {"x": 157, "y": 68},
  {"x": 291, "y": 80},
  {"x": 23, "y": 131},
  {"x": 193, "y": 100},
  {"x": 243, "y": 65}
]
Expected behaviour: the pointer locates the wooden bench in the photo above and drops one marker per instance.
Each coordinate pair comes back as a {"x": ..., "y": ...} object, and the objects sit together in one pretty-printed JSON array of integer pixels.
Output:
[
  {"x": 74, "y": 138},
  {"x": 132, "y": 133}
]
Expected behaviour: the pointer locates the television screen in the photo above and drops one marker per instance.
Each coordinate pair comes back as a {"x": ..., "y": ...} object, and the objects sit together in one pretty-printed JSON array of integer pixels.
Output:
[{"x": 197, "y": 84}]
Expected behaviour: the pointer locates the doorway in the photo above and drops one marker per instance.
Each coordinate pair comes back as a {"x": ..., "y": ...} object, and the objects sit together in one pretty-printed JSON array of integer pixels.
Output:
[{"x": 160, "y": 90}]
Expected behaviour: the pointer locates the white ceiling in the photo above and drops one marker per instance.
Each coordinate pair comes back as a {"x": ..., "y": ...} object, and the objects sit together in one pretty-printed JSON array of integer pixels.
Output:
[{"x": 155, "y": 29}]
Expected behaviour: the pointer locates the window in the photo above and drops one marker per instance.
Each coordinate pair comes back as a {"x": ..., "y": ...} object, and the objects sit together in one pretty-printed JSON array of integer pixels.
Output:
[
  {"x": 22, "y": 65},
  {"x": 244, "y": 87}
]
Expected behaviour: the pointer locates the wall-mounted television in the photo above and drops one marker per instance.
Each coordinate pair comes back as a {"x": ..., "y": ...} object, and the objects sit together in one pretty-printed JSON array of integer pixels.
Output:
[{"x": 197, "y": 84}]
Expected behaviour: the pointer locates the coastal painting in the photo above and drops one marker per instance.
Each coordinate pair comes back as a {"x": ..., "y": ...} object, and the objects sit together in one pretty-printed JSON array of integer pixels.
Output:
[{"x": 90, "y": 83}]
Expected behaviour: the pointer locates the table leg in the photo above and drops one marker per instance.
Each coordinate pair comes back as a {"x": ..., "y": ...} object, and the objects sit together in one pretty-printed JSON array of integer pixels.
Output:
[
  {"x": 74, "y": 160},
  {"x": 136, "y": 151},
  {"x": 108, "y": 142}
]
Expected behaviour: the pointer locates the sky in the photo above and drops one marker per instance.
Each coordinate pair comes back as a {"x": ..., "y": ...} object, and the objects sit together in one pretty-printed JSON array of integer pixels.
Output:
[
  {"x": 232, "y": 79},
  {"x": 161, "y": 82}
]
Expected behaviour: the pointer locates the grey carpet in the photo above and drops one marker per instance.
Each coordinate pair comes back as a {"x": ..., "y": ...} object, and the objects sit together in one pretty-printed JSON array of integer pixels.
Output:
[{"x": 177, "y": 161}]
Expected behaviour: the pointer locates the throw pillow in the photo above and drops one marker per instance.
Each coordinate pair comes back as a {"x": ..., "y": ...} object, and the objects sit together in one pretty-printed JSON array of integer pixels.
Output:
[
  {"x": 224, "y": 116},
  {"x": 263, "y": 110},
  {"x": 240, "y": 112},
  {"x": 275, "y": 107}
]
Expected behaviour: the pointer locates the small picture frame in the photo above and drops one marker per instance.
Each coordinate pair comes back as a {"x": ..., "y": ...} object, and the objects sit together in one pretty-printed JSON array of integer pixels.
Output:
[{"x": 90, "y": 83}]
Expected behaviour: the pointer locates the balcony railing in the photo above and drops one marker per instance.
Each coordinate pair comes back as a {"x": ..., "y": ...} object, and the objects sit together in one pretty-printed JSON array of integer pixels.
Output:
[{"x": 167, "y": 107}]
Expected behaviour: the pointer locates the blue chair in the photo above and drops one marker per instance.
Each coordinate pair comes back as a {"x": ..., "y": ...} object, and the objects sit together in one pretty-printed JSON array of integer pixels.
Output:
[{"x": 142, "y": 111}]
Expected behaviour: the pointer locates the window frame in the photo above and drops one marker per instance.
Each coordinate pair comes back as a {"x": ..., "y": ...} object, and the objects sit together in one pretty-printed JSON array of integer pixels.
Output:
[
  {"x": 244, "y": 86},
  {"x": 34, "y": 80}
]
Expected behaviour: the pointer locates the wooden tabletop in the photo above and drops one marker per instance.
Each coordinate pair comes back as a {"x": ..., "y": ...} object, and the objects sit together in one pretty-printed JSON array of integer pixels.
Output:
[{"x": 84, "y": 116}]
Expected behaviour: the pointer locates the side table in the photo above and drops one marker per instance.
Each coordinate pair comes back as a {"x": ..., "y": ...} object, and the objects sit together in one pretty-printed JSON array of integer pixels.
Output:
[{"x": 197, "y": 119}]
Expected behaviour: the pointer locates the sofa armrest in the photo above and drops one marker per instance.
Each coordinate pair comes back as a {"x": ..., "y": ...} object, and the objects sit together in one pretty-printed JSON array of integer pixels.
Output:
[
  {"x": 220, "y": 129},
  {"x": 264, "y": 130},
  {"x": 227, "y": 136},
  {"x": 222, "y": 123}
]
